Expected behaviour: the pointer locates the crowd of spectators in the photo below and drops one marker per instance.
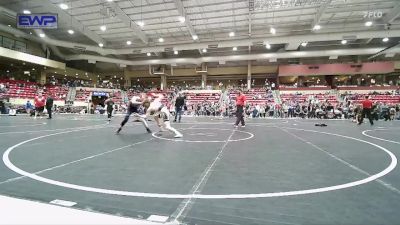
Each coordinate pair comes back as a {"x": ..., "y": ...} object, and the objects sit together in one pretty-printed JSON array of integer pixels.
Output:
[
  {"x": 260, "y": 101},
  {"x": 205, "y": 108},
  {"x": 323, "y": 109}
]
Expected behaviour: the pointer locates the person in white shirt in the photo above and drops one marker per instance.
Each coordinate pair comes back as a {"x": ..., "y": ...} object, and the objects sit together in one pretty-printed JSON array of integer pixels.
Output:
[{"x": 161, "y": 115}]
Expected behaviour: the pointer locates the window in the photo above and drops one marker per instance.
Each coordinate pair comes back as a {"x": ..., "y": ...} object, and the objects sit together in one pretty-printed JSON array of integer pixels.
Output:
[
  {"x": 20, "y": 46},
  {"x": 8, "y": 43},
  {"x": 13, "y": 44}
]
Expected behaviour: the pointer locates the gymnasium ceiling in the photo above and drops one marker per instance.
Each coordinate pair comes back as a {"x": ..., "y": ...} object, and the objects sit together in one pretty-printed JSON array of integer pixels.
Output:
[{"x": 190, "y": 26}]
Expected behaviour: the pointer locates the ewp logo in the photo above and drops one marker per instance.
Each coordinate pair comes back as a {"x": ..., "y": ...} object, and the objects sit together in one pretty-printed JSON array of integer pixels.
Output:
[{"x": 37, "y": 21}]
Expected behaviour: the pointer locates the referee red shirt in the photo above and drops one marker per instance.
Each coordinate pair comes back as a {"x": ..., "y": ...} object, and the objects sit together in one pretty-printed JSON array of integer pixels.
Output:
[
  {"x": 367, "y": 104},
  {"x": 240, "y": 100}
]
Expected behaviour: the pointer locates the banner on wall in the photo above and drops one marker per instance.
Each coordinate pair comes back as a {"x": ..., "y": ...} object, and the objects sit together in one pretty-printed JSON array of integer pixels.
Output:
[
  {"x": 37, "y": 21},
  {"x": 99, "y": 93}
]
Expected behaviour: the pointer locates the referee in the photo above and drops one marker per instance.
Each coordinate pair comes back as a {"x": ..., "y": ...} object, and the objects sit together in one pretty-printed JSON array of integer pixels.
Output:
[
  {"x": 366, "y": 111},
  {"x": 49, "y": 105},
  {"x": 240, "y": 102},
  {"x": 179, "y": 103}
]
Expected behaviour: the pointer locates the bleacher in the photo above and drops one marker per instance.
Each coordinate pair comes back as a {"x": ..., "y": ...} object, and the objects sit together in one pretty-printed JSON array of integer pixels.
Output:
[
  {"x": 59, "y": 93},
  {"x": 382, "y": 98},
  {"x": 82, "y": 94},
  {"x": 28, "y": 90},
  {"x": 166, "y": 94},
  {"x": 302, "y": 97},
  {"x": 194, "y": 97},
  {"x": 255, "y": 96},
  {"x": 20, "y": 89}
]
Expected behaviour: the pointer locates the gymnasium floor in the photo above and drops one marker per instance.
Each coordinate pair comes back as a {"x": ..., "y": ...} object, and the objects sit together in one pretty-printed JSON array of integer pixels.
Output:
[{"x": 273, "y": 171}]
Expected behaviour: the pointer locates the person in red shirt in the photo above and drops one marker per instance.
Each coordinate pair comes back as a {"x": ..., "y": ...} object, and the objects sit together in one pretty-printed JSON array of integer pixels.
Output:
[
  {"x": 366, "y": 111},
  {"x": 40, "y": 102},
  {"x": 240, "y": 103}
]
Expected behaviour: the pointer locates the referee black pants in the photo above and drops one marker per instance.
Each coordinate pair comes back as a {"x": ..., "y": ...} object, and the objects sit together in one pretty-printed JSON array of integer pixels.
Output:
[
  {"x": 366, "y": 112},
  {"x": 109, "y": 112},
  {"x": 239, "y": 115},
  {"x": 49, "y": 111}
]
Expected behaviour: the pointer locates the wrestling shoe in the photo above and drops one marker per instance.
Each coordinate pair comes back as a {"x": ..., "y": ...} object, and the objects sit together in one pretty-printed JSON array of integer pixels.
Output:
[{"x": 178, "y": 136}]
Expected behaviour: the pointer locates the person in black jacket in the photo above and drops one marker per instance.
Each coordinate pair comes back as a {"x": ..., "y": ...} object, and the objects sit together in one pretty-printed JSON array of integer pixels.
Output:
[
  {"x": 49, "y": 105},
  {"x": 179, "y": 103}
]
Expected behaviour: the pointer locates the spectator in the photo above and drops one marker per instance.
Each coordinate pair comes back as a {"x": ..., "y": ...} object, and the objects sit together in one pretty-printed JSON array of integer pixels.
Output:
[{"x": 28, "y": 107}]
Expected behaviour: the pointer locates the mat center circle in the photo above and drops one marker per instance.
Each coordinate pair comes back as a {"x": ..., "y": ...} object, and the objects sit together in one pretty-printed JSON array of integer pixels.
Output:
[{"x": 204, "y": 135}]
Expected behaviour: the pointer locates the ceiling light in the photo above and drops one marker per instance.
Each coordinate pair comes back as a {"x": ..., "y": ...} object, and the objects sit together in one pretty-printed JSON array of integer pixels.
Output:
[
  {"x": 148, "y": 54},
  {"x": 26, "y": 11},
  {"x": 33, "y": 69},
  {"x": 71, "y": 31},
  {"x": 63, "y": 6},
  {"x": 268, "y": 46},
  {"x": 204, "y": 50},
  {"x": 30, "y": 32},
  {"x": 231, "y": 34},
  {"x": 7, "y": 71},
  {"x": 195, "y": 37},
  {"x": 176, "y": 52},
  {"x": 368, "y": 23},
  {"x": 128, "y": 42},
  {"x": 344, "y": 42},
  {"x": 317, "y": 27},
  {"x": 272, "y": 30},
  {"x": 161, "y": 39},
  {"x": 304, "y": 44},
  {"x": 103, "y": 28},
  {"x": 101, "y": 45},
  {"x": 234, "y": 48},
  {"x": 140, "y": 23},
  {"x": 385, "y": 39},
  {"x": 42, "y": 35},
  {"x": 182, "y": 19}
]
